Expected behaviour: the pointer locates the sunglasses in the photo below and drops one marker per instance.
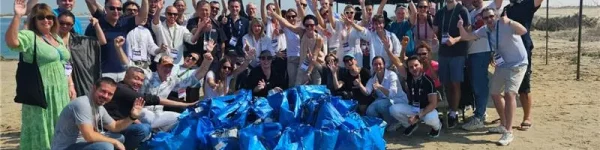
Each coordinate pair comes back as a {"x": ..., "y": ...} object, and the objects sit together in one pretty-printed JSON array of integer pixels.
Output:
[
  {"x": 65, "y": 23},
  {"x": 131, "y": 10},
  {"x": 291, "y": 16},
  {"x": 488, "y": 17},
  {"x": 113, "y": 8},
  {"x": 309, "y": 25},
  {"x": 227, "y": 68},
  {"x": 215, "y": 8},
  {"x": 349, "y": 12},
  {"x": 266, "y": 57},
  {"x": 48, "y": 17},
  {"x": 192, "y": 57},
  {"x": 347, "y": 59},
  {"x": 423, "y": 7},
  {"x": 172, "y": 14},
  {"x": 421, "y": 54},
  {"x": 303, "y": 4}
]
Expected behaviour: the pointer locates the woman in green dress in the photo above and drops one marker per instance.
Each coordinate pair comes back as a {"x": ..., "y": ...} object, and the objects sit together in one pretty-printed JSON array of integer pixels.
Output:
[{"x": 38, "y": 123}]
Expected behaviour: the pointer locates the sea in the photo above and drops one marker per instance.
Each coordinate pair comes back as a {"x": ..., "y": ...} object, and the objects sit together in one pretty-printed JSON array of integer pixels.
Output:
[{"x": 7, "y": 53}]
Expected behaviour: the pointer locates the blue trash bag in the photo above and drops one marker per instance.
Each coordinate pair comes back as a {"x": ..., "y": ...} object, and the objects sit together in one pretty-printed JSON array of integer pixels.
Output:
[
  {"x": 354, "y": 135},
  {"x": 275, "y": 101},
  {"x": 328, "y": 117},
  {"x": 325, "y": 139},
  {"x": 376, "y": 130},
  {"x": 181, "y": 137},
  {"x": 290, "y": 108},
  {"x": 300, "y": 137},
  {"x": 261, "y": 108},
  {"x": 286, "y": 141},
  {"x": 343, "y": 106},
  {"x": 229, "y": 112},
  {"x": 312, "y": 91},
  {"x": 203, "y": 129},
  {"x": 260, "y": 136},
  {"x": 226, "y": 139},
  {"x": 310, "y": 111},
  {"x": 271, "y": 134},
  {"x": 353, "y": 121}
]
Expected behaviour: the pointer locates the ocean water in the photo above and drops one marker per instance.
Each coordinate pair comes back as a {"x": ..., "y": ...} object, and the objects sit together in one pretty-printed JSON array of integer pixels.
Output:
[{"x": 7, "y": 53}]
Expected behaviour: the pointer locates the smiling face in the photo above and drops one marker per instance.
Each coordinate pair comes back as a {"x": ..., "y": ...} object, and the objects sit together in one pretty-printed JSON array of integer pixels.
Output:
[
  {"x": 290, "y": 16},
  {"x": 66, "y": 4},
  {"x": 226, "y": 68},
  {"x": 489, "y": 18},
  {"x": 134, "y": 77},
  {"x": 154, "y": 5},
  {"x": 378, "y": 65},
  {"x": 191, "y": 60},
  {"x": 423, "y": 7},
  {"x": 203, "y": 10},
  {"x": 310, "y": 24},
  {"x": 349, "y": 62},
  {"x": 180, "y": 5},
  {"x": 251, "y": 10},
  {"x": 379, "y": 24},
  {"x": 265, "y": 61},
  {"x": 65, "y": 24},
  {"x": 400, "y": 13},
  {"x": 349, "y": 13},
  {"x": 234, "y": 7},
  {"x": 113, "y": 9},
  {"x": 369, "y": 10},
  {"x": 172, "y": 14},
  {"x": 131, "y": 10},
  {"x": 103, "y": 93},
  {"x": 44, "y": 22},
  {"x": 423, "y": 54},
  {"x": 414, "y": 67},
  {"x": 214, "y": 9}
]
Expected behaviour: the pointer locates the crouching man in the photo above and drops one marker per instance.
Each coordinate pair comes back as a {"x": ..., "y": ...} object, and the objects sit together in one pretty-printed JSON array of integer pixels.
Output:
[
  {"x": 86, "y": 115},
  {"x": 422, "y": 98}
]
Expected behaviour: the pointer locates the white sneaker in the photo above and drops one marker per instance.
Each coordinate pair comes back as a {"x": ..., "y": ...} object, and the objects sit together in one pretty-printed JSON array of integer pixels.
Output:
[
  {"x": 393, "y": 127},
  {"x": 506, "y": 138},
  {"x": 474, "y": 124},
  {"x": 499, "y": 129}
]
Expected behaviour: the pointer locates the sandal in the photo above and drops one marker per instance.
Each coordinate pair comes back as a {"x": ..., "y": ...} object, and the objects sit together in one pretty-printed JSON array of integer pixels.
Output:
[{"x": 525, "y": 126}]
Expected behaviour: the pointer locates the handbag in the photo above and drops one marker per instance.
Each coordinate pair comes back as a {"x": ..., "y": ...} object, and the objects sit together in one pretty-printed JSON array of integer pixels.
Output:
[{"x": 30, "y": 87}]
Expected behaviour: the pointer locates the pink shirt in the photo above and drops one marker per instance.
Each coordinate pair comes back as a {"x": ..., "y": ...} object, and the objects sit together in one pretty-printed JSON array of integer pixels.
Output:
[{"x": 428, "y": 72}]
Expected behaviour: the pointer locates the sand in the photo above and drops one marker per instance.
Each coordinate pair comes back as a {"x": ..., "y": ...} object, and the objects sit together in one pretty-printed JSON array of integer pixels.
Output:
[{"x": 564, "y": 112}]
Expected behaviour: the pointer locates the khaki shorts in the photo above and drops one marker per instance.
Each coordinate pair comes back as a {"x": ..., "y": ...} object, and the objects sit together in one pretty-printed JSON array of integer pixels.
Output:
[{"x": 507, "y": 79}]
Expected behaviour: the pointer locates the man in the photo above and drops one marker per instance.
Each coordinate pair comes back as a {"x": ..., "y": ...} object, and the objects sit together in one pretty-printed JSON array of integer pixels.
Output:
[
  {"x": 212, "y": 31},
  {"x": 113, "y": 25},
  {"x": 214, "y": 10},
  {"x": 522, "y": 11},
  {"x": 173, "y": 35},
  {"x": 478, "y": 62},
  {"x": 235, "y": 27},
  {"x": 86, "y": 115},
  {"x": 130, "y": 8},
  {"x": 251, "y": 10},
  {"x": 65, "y": 5},
  {"x": 510, "y": 60},
  {"x": 452, "y": 54},
  {"x": 422, "y": 103}
]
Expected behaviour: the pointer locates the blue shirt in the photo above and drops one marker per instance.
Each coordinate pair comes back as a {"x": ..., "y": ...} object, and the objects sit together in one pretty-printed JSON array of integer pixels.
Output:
[
  {"x": 76, "y": 24},
  {"x": 108, "y": 55},
  {"x": 401, "y": 29},
  {"x": 523, "y": 13}
]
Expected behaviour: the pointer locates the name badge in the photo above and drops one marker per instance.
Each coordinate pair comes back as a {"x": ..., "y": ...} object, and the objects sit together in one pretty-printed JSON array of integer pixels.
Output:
[
  {"x": 274, "y": 43},
  {"x": 68, "y": 69},
  {"x": 233, "y": 41},
  {"x": 304, "y": 65},
  {"x": 174, "y": 53},
  {"x": 445, "y": 38},
  {"x": 498, "y": 59},
  {"x": 346, "y": 47},
  {"x": 181, "y": 92}
]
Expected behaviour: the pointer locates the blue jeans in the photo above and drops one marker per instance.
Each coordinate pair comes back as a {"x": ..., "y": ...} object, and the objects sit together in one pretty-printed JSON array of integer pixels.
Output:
[
  {"x": 451, "y": 69},
  {"x": 134, "y": 134},
  {"x": 478, "y": 63},
  {"x": 91, "y": 146},
  {"x": 381, "y": 108}
]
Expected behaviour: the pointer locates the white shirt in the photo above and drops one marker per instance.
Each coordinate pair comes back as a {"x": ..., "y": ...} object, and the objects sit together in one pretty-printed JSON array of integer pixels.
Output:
[
  {"x": 377, "y": 48},
  {"x": 481, "y": 44},
  {"x": 279, "y": 42},
  {"x": 162, "y": 89},
  {"x": 390, "y": 82},
  {"x": 334, "y": 40},
  {"x": 350, "y": 44},
  {"x": 293, "y": 42},
  {"x": 209, "y": 92},
  {"x": 140, "y": 44},
  {"x": 264, "y": 43},
  {"x": 173, "y": 37}
]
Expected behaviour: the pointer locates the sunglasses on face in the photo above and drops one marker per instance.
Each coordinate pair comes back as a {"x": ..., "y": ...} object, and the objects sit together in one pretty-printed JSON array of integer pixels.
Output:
[
  {"x": 488, "y": 17},
  {"x": 172, "y": 14},
  {"x": 65, "y": 24},
  {"x": 215, "y": 8},
  {"x": 423, "y": 7},
  {"x": 421, "y": 54},
  {"x": 349, "y": 13},
  {"x": 266, "y": 57},
  {"x": 192, "y": 57},
  {"x": 291, "y": 16},
  {"x": 346, "y": 60},
  {"x": 303, "y": 4},
  {"x": 309, "y": 25},
  {"x": 113, "y": 8},
  {"x": 131, "y": 10},
  {"x": 48, "y": 17},
  {"x": 227, "y": 68}
]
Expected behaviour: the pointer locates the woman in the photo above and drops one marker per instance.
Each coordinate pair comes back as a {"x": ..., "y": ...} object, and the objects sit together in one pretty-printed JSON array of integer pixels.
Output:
[
  {"x": 274, "y": 31},
  {"x": 256, "y": 40},
  {"x": 218, "y": 81},
  {"x": 422, "y": 25},
  {"x": 66, "y": 20},
  {"x": 38, "y": 123},
  {"x": 182, "y": 19},
  {"x": 311, "y": 44},
  {"x": 349, "y": 34},
  {"x": 343, "y": 81},
  {"x": 265, "y": 78},
  {"x": 384, "y": 84},
  {"x": 293, "y": 47},
  {"x": 380, "y": 36},
  {"x": 429, "y": 66}
]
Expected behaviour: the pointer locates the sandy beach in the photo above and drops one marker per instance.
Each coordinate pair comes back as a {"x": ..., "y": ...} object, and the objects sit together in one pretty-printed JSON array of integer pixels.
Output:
[{"x": 565, "y": 111}]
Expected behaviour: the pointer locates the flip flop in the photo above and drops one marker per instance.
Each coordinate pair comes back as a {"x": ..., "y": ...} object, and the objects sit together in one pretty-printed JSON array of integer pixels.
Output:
[{"x": 525, "y": 126}]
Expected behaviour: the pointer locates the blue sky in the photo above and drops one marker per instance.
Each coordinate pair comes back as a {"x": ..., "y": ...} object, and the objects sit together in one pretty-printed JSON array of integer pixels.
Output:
[{"x": 7, "y": 6}]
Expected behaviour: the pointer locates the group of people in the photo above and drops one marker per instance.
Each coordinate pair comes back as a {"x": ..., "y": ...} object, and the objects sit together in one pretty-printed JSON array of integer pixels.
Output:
[{"x": 155, "y": 59}]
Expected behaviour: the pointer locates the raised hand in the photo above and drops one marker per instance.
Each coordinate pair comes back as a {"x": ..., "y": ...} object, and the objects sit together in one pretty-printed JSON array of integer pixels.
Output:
[
  {"x": 376, "y": 85},
  {"x": 210, "y": 45},
  {"x": 208, "y": 57},
  {"x": 163, "y": 48},
  {"x": 386, "y": 43},
  {"x": 460, "y": 22},
  {"x": 202, "y": 24},
  {"x": 346, "y": 19},
  {"x": 333, "y": 67},
  {"x": 261, "y": 84},
  {"x": 119, "y": 42},
  {"x": 20, "y": 7},
  {"x": 405, "y": 40},
  {"x": 93, "y": 21},
  {"x": 315, "y": 4},
  {"x": 248, "y": 47},
  {"x": 362, "y": 2},
  {"x": 138, "y": 104}
]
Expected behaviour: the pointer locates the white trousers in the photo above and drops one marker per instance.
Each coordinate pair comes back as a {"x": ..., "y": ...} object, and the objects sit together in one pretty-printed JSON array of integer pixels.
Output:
[
  {"x": 159, "y": 119},
  {"x": 402, "y": 112}
]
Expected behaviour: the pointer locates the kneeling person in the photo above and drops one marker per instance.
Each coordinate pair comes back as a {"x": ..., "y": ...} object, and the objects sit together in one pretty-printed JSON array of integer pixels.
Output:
[
  {"x": 86, "y": 113},
  {"x": 423, "y": 100}
]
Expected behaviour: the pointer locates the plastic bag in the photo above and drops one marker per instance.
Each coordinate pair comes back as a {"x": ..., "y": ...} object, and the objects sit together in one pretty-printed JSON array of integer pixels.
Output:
[
  {"x": 325, "y": 139},
  {"x": 180, "y": 138},
  {"x": 225, "y": 139},
  {"x": 261, "y": 108},
  {"x": 328, "y": 117},
  {"x": 260, "y": 136},
  {"x": 203, "y": 129},
  {"x": 343, "y": 106}
]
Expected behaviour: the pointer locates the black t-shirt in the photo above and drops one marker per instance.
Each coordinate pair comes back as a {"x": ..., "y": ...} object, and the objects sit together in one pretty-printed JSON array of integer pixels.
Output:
[
  {"x": 523, "y": 13},
  {"x": 236, "y": 29},
  {"x": 216, "y": 34},
  {"x": 277, "y": 79},
  {"x": 122, "y": 102},
  {"x": 348, "y": 79},
  {"x": 446, "y": 21},
  {"x": 419, "y": 90}
]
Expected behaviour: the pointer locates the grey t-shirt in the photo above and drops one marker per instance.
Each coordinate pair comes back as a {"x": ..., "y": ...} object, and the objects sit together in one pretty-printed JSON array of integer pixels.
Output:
[
  {"x": 508, "y": 44},
  {"x": 77, "y": 112}
]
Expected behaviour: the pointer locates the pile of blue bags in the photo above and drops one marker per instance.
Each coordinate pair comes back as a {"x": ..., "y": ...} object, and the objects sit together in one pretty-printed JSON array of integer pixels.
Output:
[{"x": 300, "y": 118}]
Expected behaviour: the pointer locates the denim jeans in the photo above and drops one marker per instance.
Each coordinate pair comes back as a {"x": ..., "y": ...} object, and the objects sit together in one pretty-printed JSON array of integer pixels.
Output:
[
  {"x": 135, "y": 134},
  {"x": 381, "y": 108},
  {"x": 91, "y": 146},
  {"x": 478, "y": 63}
]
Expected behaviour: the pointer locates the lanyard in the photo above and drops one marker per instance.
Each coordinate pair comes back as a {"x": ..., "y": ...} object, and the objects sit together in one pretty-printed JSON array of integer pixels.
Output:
[
  {"x": 171, "y": 35},
  {"x": 449, "y": 21},
  {"x": 497, "y": 36},
  {"x": 181, "y": 74},
  {"x": 231, "y": 26},
  {"x": 415, "y": 85},
  {"x": 57, "y": 50}
]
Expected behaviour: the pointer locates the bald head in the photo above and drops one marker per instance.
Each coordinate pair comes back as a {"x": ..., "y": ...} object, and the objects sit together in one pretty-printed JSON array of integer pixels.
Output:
[{"x": 251, "y": 10}]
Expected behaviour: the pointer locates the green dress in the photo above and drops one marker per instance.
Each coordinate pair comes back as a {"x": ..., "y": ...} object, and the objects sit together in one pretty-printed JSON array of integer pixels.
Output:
[{"x": 37, "y": 126}]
